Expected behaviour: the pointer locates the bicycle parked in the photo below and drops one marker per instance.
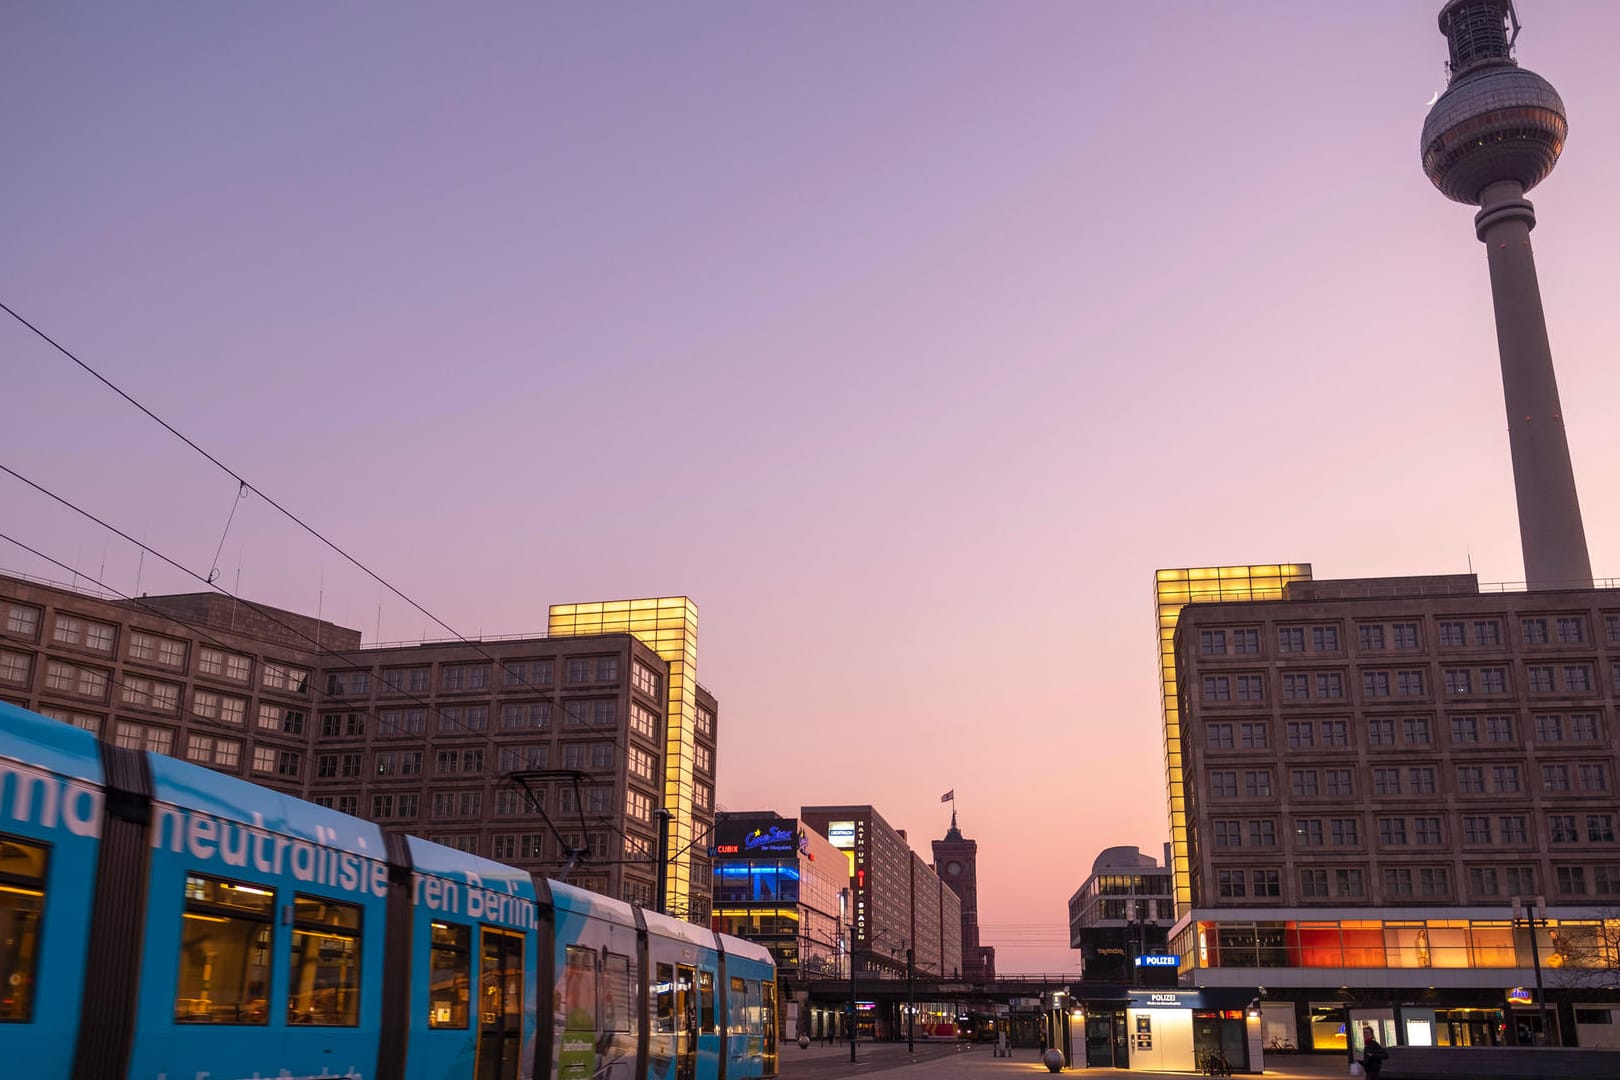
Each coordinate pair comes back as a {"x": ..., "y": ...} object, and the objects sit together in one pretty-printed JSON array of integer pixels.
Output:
[
  {"x": 1280, "y": 1045},
  {"x": 1214, "y": 1063}
]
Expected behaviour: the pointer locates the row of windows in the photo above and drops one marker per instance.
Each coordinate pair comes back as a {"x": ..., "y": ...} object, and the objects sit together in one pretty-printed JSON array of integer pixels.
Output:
[
  {"x": 1340, "y": 781},
  {"x": 1376, "y": 637},
  {"x": 136, "y": 691},
  {"x": 1425, "y": 881},
  {"x": 158, "y": 696},
  {"x": 226, "y": 943},
  {"x": 1433, "y": 882},
  {"x": 91, "y": 635},
  {"x": 1492, "y": 728},
  {"x": 1416, "y": 831},
  {"x": 515, "y": 675},
  {"x": 1145, "y": 909},
  {"x": 513, "y": 716},
  {"x": 1573, "y": 678},
  {"x": 225, "y": 754}
]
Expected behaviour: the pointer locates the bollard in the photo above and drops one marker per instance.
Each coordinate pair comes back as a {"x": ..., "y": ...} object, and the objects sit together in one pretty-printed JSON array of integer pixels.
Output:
[{"x": 1053, "y": 1060}]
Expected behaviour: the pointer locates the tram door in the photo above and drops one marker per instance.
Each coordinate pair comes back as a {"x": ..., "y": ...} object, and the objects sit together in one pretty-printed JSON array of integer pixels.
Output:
[
  {"x": 769, "y": 1018},
  {"x": 686, "y": 1023},
  {"x": 500, "y": 1004}
]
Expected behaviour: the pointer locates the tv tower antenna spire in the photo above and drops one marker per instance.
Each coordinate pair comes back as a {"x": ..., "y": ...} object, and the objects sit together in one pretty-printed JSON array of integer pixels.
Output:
[{"x": 1492, "y": 136}]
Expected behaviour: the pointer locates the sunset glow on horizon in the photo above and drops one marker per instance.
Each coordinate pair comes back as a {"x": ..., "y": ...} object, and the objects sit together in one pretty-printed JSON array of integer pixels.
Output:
[{"x": 907, "y": 341}]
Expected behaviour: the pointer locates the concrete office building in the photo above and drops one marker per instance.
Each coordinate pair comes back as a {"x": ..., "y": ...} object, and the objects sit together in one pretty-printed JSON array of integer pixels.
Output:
[
  {"x": 669, "y": 625},
  {"x": 1172, "y": 590},
  {"x": 897, "y": 902},
  {"x": 1373, "y": 769},
  {"x": 1121, "y": 912},
  {"x": 783, "y": 886},
  {"x": 544, "y": 752}
]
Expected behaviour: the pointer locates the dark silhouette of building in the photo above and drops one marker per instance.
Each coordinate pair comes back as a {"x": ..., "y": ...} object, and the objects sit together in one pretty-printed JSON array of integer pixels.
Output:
[{"x": 956, "y": 861}]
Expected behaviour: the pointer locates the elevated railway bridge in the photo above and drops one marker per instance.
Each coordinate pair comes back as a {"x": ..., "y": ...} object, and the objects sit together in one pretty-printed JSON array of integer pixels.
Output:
[{"x": 941, "y": 1007}]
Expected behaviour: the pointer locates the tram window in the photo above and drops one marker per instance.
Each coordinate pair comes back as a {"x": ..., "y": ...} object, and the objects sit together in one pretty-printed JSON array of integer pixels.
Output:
[
  {"x": 706, "y": 1000},
  {"x": 579, "y": 990},
  {"x": 616, "y": 993},
  {"x": 224, "y": 953},
  {"x": 325, "y": 983},
  {"x": 666, "y": 999},
  {"x": 737, "y": 1007},
  {"x": 449, "y": 975},
  {"x": 22, "y": 897},
  {"x": 756, "y": 1017}
]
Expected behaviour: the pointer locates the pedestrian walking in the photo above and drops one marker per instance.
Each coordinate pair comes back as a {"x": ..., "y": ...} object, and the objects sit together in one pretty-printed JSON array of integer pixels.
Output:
[{"x": 1372, "y": 1053}]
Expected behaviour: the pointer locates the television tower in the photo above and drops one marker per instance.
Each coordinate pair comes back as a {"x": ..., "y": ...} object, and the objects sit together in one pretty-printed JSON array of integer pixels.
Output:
[{"x": 1492, "y": 136}]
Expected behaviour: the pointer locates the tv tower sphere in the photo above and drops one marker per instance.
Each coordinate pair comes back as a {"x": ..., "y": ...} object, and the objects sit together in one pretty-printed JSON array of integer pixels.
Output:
[
  {"x": 1493, "y": 135},
  {"x": 1496, "y": 121}
]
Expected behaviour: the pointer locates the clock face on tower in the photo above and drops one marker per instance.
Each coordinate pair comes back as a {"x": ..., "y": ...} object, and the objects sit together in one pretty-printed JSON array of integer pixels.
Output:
[{"x": 953, "y": 868}]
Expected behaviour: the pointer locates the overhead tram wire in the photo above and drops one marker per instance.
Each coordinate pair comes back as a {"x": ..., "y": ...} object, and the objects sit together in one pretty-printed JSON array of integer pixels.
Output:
[
  {"x": 319, "y": 648},
  {"x": 246, "y": 485},
  {"x": 202, "y": 633},
  {"x": 549, "y": 694}
]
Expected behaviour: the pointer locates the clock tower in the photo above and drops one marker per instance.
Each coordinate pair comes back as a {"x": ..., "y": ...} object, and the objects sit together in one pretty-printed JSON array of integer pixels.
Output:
[{"x": 956, "y": 861}]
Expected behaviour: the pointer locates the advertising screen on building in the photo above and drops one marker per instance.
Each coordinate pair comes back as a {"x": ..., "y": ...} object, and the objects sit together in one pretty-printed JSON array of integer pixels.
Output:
[
  {"x": 841, "y": 834},
  {"x": 756, "y": 837}
]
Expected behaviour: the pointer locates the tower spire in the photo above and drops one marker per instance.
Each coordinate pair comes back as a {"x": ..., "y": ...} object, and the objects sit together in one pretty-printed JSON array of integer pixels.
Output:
[{"x": 1493, "y": 135}]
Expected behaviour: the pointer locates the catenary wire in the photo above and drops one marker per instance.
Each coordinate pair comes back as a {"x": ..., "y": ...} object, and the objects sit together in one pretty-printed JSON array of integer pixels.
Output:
[
  {"x": 246, "y": 485},
  {"x": 318, "y": 695},
  {"x": 321, "y": 649}
]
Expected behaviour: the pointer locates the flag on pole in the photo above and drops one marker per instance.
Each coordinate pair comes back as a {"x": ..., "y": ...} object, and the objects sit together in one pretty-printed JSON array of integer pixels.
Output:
[{"x": 949, "y": 796}]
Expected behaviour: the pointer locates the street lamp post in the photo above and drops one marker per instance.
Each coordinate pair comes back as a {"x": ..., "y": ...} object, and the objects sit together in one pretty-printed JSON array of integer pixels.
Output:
[
  {"x": 852, "y": 1006},
  {"x": 663, "y": 816},
  {"x": 852, "y": 1028},
  {"x": 911, "y": 1001},
  {"x": 1534, "y": 918}
]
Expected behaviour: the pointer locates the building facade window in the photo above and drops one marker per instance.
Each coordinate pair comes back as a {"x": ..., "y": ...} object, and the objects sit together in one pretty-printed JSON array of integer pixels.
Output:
[
  {"x": 229, "y": 666},
  {"x": 283, "y": 678},
  {"x": 22, "y": 621}
]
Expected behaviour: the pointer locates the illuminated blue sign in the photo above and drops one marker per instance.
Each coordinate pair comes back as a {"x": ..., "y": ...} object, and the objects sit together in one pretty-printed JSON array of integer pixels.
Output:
[
  {"x": 1158, "y": 961},
  {"x": 774, "y": 838}
]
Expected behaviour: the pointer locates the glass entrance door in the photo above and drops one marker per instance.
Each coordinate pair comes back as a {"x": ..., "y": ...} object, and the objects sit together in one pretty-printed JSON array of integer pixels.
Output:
[
  {"x": 500, "y": 1004},
  {"x": 1105, "y": 1040}
]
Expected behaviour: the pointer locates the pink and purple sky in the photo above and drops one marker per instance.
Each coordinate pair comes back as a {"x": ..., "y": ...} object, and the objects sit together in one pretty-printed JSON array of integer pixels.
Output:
[{"x": 907, "y": 339}]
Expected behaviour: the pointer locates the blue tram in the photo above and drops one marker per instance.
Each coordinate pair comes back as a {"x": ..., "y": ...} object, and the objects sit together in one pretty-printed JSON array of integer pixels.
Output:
[{"x": 162, "y": 921}]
